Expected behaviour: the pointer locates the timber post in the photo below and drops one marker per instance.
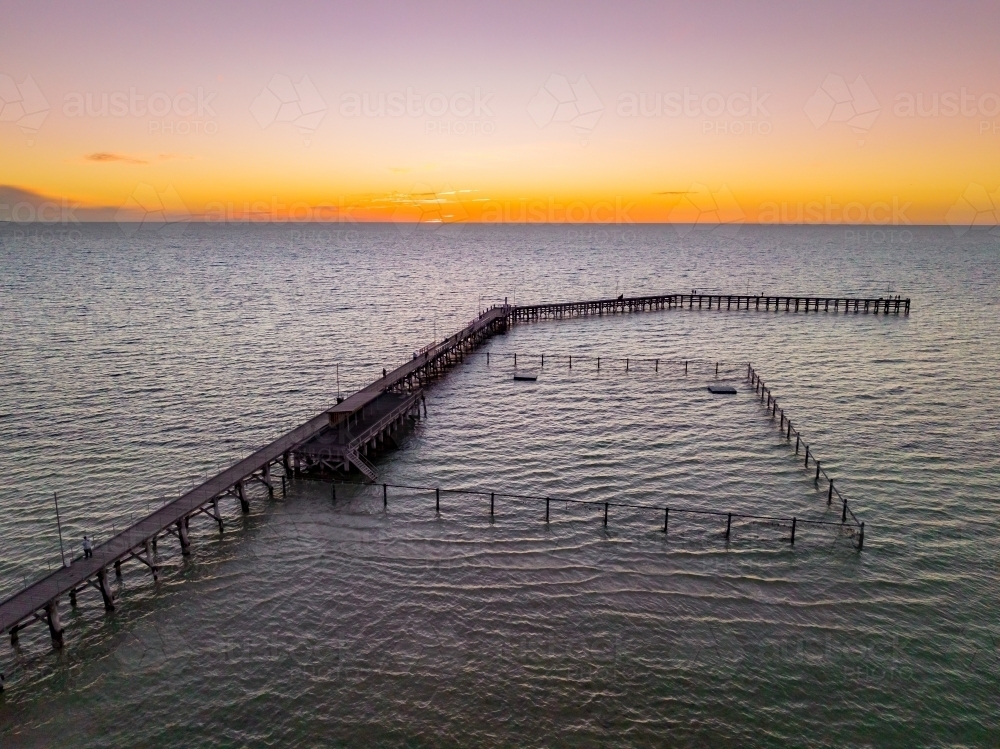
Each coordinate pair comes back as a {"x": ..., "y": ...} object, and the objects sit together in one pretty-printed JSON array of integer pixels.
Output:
[
  {"x": 105, "y": 589},
  {"x": 182, "y": 535},
  {"x": 54, "y": 622}
]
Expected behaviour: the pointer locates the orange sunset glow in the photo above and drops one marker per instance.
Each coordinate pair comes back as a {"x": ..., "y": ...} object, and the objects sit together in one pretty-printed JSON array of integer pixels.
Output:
[{"x": 607, "y": 124}]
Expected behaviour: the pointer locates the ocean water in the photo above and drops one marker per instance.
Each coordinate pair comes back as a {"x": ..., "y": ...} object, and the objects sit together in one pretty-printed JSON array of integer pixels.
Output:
[{"x": 133, "y": 366}]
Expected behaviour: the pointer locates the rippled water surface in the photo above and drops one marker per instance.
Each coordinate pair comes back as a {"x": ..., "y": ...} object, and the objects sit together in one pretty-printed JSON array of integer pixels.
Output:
[{"x": 132, "y": 367}]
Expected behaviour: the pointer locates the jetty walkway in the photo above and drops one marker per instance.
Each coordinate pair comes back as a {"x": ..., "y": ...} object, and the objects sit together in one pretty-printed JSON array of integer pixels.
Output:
[
  {"x": 728, "y": 302},
  {"x": 341, "y": 437}
]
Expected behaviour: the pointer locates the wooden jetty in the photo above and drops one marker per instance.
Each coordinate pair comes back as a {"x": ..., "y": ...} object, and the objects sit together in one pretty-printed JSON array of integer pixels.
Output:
[
  {"x": 728, "y": 302},
  {"x": 342, "y": 437},
  {"x": 337, "y": 438}
]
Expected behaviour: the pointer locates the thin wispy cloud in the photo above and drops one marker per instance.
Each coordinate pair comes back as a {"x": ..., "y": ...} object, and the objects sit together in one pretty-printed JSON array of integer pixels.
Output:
[
  {"x": 103, "y": 157},
  {"x": 106, "y": 157}
]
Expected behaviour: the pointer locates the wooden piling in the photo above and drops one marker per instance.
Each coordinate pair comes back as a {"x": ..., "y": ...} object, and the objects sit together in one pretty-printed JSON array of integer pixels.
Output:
[
  {"x": 685, "y": 367},
  {"x": 843, "y": 514},
  {"x": 817, "y": 471},
  {"x": 55, "y": 625},
  {"x": 861, "y": 535},
  {"x": 546, "y": 509},
  {"x": 796, "y": 440},
  {"x": 729, "y": 523},
  {"x": 829, "y": 494},
  {"x": 666, "y": 518},
  {"x": 385, "y": 496},
  {"x": 792, "y": 539},
  {"x": 605, "y": 514},
  {"x": 241, "y": 493},
  {"x": 626, "y": 364},
  {"x": 183, "y": 536},
  {"x": 437, "y": 501},
  {"x": 333, "y": 492},
  {"x": 105, "y": 589},
  {"x": 491, "y": 505},
  {"x": 807, "y": 456},
  {"x": 657, "y": 368}
]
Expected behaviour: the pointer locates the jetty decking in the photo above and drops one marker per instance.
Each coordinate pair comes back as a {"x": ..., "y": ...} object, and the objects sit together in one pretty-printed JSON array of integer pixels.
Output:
[
  {"x": 728, "y": 302},
  {"x": 341, "y": 436}
]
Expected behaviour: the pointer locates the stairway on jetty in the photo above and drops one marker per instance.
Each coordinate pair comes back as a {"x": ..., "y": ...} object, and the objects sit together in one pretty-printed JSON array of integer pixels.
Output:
[{"x": 352, "y": 435}]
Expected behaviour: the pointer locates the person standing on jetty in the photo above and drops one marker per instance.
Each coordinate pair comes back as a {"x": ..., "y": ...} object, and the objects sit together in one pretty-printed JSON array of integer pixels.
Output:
[{"x": 88, "y": 548}]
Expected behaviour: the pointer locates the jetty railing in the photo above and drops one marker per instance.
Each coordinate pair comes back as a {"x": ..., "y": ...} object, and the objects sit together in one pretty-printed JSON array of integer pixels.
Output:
[{"x": 787, "y": 430}]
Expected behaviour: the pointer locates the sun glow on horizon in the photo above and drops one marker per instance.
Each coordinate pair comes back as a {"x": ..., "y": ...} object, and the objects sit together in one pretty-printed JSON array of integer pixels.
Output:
[{"x": 607, "y": 125}]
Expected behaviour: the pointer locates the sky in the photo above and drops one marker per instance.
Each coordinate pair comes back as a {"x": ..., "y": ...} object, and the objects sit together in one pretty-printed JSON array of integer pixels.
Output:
[{"x": 625, "y": 112}]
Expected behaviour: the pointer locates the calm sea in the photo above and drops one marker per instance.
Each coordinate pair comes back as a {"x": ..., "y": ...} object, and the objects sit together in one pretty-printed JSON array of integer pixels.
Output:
[{"x": 133, "y": 366}]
